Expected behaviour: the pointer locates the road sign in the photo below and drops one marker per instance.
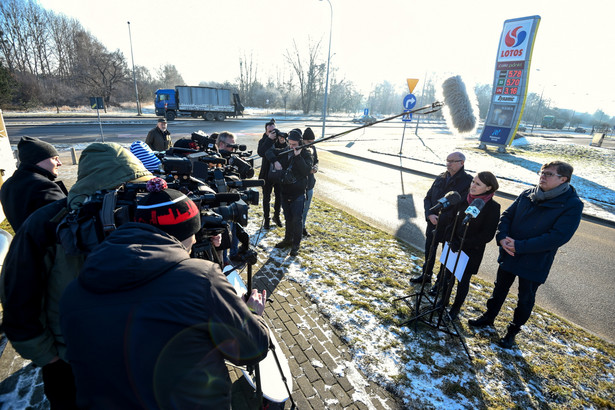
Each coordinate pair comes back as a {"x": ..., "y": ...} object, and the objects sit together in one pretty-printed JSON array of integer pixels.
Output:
[
  {"x": 407, "y": 117},
  {"x": 97, "y": 103},
  {"x": 366, "y": 111},
  {"x": 412, "y": 83},
  {"x": 409, "y": 101}
]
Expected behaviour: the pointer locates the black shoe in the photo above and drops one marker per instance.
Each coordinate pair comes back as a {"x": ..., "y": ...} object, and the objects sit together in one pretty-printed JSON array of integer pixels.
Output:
[
  {"x": 294, "y": 251},
  {"x": 306, "y": 233},
  {"x": 453, "y": 313},
  {"x": 283, "y": 244},
  {"x": 266, "y": 224},
  {"x": 434, "y": 290},
  {"x": 508, "y": 340},
  {"x": 481, "y": 321},
  {"x": 419, "y": 279},
  {"x": 276, "y": 220}
]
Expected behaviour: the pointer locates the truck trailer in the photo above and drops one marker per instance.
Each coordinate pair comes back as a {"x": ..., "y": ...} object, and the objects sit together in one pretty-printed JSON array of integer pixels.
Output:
[{"x": 207, "y": 102}]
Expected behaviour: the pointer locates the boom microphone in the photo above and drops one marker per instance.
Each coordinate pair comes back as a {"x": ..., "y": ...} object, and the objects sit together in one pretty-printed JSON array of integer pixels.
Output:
[
  {"x": 460, "y": 112},
  {"x": 450, "y": 199},
  {"x": 473, "y": 210}
]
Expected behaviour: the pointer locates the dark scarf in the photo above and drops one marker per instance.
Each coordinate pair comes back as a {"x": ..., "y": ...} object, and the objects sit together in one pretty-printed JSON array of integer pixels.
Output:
[{"x": 538, "y": 195}]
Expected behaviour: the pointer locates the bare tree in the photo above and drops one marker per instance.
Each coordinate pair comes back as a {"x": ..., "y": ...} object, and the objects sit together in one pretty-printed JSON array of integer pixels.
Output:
[
  {"x": 248, "y": 71},
  {"x": 309, "y": 73},
  {"x": 168, "y": 76}
]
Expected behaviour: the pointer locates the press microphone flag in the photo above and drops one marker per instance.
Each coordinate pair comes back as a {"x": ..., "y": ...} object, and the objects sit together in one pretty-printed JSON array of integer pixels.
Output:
[
  {"x": 450, "y": 199},
  {"x": 473, "y": 210}
]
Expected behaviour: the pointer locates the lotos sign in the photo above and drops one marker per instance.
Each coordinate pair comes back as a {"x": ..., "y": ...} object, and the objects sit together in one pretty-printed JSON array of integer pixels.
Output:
[{"x": 510, "y": 80}]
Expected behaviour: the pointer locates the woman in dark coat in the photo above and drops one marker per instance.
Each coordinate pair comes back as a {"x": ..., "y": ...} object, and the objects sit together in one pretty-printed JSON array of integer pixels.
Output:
[{"x": 480, "y": 231}]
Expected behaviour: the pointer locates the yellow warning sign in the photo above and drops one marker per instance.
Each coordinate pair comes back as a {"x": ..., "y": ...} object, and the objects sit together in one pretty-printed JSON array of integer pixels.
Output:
[{"x": 412, "y": 83}]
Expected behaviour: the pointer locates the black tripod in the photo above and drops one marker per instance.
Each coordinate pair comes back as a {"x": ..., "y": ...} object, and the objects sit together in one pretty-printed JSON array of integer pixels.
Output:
[
  {"x": 249, "y": 256},
  {"x": 444, "y": 287}
]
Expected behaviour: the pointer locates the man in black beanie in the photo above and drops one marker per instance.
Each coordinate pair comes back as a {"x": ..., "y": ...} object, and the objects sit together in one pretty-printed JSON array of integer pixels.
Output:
[
  {"x": 297, "y": 163},
  {"x": 147, "y": 326},
  {"x": 32, "y": 186}
]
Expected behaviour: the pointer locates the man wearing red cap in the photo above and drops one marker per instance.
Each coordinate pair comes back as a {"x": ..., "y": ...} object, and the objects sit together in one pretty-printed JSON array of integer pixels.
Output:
[{"x": 147, "y": 326}]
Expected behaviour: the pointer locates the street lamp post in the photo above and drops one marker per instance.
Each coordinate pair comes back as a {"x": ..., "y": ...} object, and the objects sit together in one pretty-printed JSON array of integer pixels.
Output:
[
  {"x": 324, "y": 107},
  {"x": 134, "y": 75}
]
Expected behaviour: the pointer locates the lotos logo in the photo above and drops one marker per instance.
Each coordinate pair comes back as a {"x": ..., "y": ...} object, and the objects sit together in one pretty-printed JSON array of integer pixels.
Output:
[{"x": 515, "y": 37}]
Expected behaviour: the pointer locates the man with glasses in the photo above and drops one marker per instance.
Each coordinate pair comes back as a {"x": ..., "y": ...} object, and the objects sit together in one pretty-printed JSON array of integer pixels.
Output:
[
  {"x": 454, "y": 179},
  {"x": 530, "y": 232}
]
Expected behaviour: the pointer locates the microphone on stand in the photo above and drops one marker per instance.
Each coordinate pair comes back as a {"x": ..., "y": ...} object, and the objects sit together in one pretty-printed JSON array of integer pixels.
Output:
[
  {"x": 448, "y": 200},
  {"x": 473, "y": 210}
]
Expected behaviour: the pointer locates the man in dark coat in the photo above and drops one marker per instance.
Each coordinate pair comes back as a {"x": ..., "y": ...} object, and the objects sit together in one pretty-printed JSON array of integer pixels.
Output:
[
  {"x": 530, "y": 232},
  {"x": 309, "y": 137},
  {"x": 454, "y": 179},
  {"x": 33, "y": 184},
  {"x": 297, "y": 163},
  {"x": 269, "y": 139},
  {"x": 159, "y": 138},
  {"x": 147, "y": 326}
]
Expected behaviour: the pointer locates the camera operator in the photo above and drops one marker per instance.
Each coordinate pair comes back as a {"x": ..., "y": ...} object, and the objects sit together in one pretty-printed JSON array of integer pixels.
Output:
[
  {"x": 37, "y": 269},
  {"x": 271, "y": 137},
  {"x": 159, "y": 138},
  {"x": 227, "y": 145},
  {"x": 147, "y": 326},
  {"x": 297, "y": 165}
]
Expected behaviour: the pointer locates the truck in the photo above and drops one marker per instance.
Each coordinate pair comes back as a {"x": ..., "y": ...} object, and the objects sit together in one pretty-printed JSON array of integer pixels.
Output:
[
  {"x": 207, "y": 102},
  {"x": 550, "y": 121}
]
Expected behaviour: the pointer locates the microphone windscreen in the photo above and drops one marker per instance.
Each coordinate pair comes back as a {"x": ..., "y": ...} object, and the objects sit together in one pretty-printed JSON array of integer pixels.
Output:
[
  {"x": 459, "y": 109},
  {"x": 453, "y": 197},
  {"x": 478, "y": 204}
]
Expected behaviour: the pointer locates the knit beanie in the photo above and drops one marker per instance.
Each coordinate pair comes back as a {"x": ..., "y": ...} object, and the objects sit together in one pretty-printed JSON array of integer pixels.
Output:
[
  {"x": 145, "y": 154},
  {"x": 169, "y": 210},
  {"x": 308, "y": 134},
  {"x": 295, "y": 135},
  {"x": 32, "y": 150}
]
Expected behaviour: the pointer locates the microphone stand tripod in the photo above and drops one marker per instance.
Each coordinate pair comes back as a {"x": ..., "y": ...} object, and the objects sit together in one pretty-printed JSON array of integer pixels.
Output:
[
  {"x": 436, "y": 307},
  {"x": 432, "y": 250}
]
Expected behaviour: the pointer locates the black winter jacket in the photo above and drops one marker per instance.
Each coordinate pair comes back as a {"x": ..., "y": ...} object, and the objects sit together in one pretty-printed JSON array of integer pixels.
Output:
[
  {"x": 479, "y": 233},
  {"x": 460, "y": 182},
  {"x": 146, "y": 326},
  {"x": 31, "y": 187},
  {"x": 299, "y": 165}
]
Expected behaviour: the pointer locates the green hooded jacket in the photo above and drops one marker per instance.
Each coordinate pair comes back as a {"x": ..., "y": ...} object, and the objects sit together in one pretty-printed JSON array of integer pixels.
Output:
[{"x": 37, "y": 270}]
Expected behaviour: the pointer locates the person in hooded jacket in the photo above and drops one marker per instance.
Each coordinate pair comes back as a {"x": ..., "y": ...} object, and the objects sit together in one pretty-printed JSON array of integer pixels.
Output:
[
  {"x": 147, "y": 326},
  {"x": 479, "y": 232},
  {"x": 33, "y": 184},
  {"x": 531, "y": 230},
  {"x": 37, "y": 269}
]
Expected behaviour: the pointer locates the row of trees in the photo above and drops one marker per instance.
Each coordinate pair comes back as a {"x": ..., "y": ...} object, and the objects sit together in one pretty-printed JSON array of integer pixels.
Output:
[{"x": 51, "y": 60}]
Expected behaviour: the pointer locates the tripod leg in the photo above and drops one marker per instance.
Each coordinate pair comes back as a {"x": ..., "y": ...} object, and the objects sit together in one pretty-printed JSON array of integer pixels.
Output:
[{"x": 277, "y": 361}]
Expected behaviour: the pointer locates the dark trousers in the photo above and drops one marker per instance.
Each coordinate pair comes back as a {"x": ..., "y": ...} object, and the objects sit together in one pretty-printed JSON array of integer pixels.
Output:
[
  {"x": 430, "y": 259},
  {"x": 293, "y": 215},
  {"x": 527, "y": 297},
  {"x": 59, "y": 385},
  {"x": 267, "y": 190}
]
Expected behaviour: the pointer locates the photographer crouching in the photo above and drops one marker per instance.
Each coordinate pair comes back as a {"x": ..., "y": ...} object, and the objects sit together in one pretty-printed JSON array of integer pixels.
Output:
[
  {"x": 146, "y": 326},
  {"x": 296, "y": 165}
]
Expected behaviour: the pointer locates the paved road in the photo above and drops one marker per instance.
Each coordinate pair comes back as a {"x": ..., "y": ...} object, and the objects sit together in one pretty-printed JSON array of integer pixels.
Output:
[{"x": 580, "y": 287}]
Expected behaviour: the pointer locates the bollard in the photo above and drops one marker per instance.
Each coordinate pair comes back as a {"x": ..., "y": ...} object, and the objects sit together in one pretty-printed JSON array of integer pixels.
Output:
[{"x": 74, "y": 155}]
